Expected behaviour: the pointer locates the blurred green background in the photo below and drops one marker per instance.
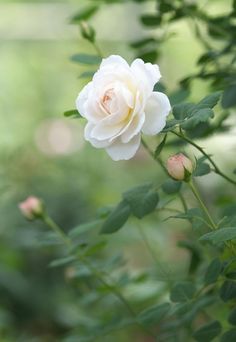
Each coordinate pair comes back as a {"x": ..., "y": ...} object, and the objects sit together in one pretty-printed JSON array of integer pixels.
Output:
[{"x": 44, "y": 154}]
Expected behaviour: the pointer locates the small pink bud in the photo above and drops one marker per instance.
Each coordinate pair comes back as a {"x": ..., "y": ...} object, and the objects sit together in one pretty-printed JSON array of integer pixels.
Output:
[
  {"x": 179, "y": 167},
  {"x": 31, "y": 208}
]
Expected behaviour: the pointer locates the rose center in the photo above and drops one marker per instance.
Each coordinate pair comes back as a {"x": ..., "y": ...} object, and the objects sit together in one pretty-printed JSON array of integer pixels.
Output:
[{"x": 107, "y": 100}]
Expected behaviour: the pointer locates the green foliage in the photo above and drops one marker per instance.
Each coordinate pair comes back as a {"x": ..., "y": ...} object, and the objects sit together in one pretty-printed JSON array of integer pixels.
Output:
[
  {"x": 228, "y": 290},
  {"x": 229, "y": 336},
  {"x": 207, "y": 332},
  {"x": 117, "y": 218},
  {"x": 155, "y": 314},
  {"x": 213, "y": 271},
  {"x": 182, "y": 292},
  {"x": 83, "y": 58},
  {"x": 220, "y": 235},
  {"x": 84, "y": 14},
  {"x": 73, "y": 113},
  {"x": 171, "y": 186},
  {"x": 142, "y": 200}
]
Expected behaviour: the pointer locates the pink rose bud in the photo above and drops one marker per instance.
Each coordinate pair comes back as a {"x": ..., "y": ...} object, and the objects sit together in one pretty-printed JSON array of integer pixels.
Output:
[
  {"x": 31, "y": 208},
  {"x": 180, "y": 167}
]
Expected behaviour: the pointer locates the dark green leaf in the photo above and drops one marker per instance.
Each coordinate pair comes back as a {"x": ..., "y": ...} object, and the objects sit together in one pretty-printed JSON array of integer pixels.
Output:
[
  {"x": 142, "y": 199},
  {"x": 84, "y": 14},
  {"x": 232, "y": 316},
  {"x": 72, "y": 112},
  {"x": 116, "y": 218},
  {"x": 140, "y": 43},
  {"x": 154, "y": 314},
  {"x": 207, "y": 332},
  {"x": 195, "y": 254},
  {"x": 84, "y": 227},
  {"x": 182, "y": 292},
  {"x": 228, "y": 290},
  {"x": 149, "y": 56},
  {"x": 229, "y": 98},
  {"x": 201, "y": 168},
  {"x": 229, "y": 336},
  {"x": 170, "y": 186},
  {"x": 201, "y": 115},
  {"x": 87, "y": 74},
  {"x": 150, "y": 20},
  {"x": 179, "y": 96},
  {"x": 213, "y": 272},
  {"x": 220, "y": 235},
  {"x": 182, "y": 110},
  {"x": 83, "y": 58},
  {"x": 62, "y": 261},
  {"x": 209, "y": 101},
  {"x": 160, "y": 147}
]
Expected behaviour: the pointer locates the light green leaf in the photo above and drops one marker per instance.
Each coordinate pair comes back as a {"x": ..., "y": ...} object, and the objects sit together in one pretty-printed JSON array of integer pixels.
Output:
[
  {"x": 142, "y": 199},
  {"x": 83, "y": 58},
  {"x": 87, "y": 74},
  {"x": 220, "y": 235},
  {"x": 62, "y": 261},
  {"x": 207, "y": 332},
  {"x": 201, "y": 115},
  {"x": 117, "y": 218}
]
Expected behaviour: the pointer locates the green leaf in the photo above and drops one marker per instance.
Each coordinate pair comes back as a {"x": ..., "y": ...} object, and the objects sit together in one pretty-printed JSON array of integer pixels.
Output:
[
  {"x": 213, "y": 272},
  {"x": 220, "y": 235},
  {"x": 83, "y": 58},
  {"x": 117, "y": 218},
  {"x": 232, "y": 317},
  {"x": 229, "y": 98},
  {"x": 149, "y": 56},
  {"x": 182, "y": 110},
  {"x": 84, "y": 14},
  {"x": 142, "y": 199},
  {"x": 228, "y": 290},
  {"x": 201, "y": 168},
  {"x": 195, "y": 254},
  {"x": 182, "y": 292},
  {"x": 207, "y": 332},
  {"x": 229, "y": 336},
  {"x": 150, "y": 20},
  {"x": 170, "y": 186},
  {"x": 62, "y": 261},
  {"x": 201, "y": 115},
  {"x": 142, "y": 42},
  {"x": 210, "y": 101},
  {"x": 87, "y": 74},
  {"x": 72, "y": 112},
  {"x": 154, "y": 314},
  {"x": 84, "y": 227},
  {"x": 160, "y": 147},
  {"x": 179, "y": 96}
]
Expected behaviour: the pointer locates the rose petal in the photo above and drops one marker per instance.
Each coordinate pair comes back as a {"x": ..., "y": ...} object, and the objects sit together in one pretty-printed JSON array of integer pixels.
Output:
[
  {"x": 94, "y": 142},
  {"x": 113, "y": 59},
  {"x": 156, "y": 111},
  {"x": 134, "y": 127},
  {"x": 148, "y": 74},
  {"x": 120, "y": 151},
  {"x": 82, "y": 98}
]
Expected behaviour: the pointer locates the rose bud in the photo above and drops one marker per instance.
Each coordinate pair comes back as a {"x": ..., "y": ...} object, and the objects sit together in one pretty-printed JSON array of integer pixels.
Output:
[
  {"x": 180, "y": 167},
  {"x": 31, "y": 208},
  {"x": 87, "y": 31}
]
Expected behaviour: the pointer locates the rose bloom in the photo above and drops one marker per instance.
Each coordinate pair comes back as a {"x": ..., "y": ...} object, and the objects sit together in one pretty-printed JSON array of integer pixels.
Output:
[
  {"x": 31, "y": 208},
  {"x": 177, "y": 164},
  {"x": 120, "y": 104}
]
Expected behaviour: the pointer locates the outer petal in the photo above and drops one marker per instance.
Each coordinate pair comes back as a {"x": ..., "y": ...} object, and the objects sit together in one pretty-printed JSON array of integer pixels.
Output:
[
  {"x": 120, "y": 151},
  {"x": 113, "y": 59},
  {"x": 82, "y": 98},
  {"x": 156, "y": 110},
  {"x": 146, "y": 73},
  {"x": 94, "y": 142}
]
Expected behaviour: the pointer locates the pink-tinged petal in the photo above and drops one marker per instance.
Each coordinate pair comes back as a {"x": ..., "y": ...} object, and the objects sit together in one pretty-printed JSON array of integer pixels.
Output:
[
  {"x": 146, "y": 73},
  {"x": 120, "y": 151},
  {"x": 156, "y": 110}
]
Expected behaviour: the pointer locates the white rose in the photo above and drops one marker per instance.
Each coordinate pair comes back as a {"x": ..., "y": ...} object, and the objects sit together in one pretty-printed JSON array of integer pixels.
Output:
[{"x": 120, "y": 104}]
